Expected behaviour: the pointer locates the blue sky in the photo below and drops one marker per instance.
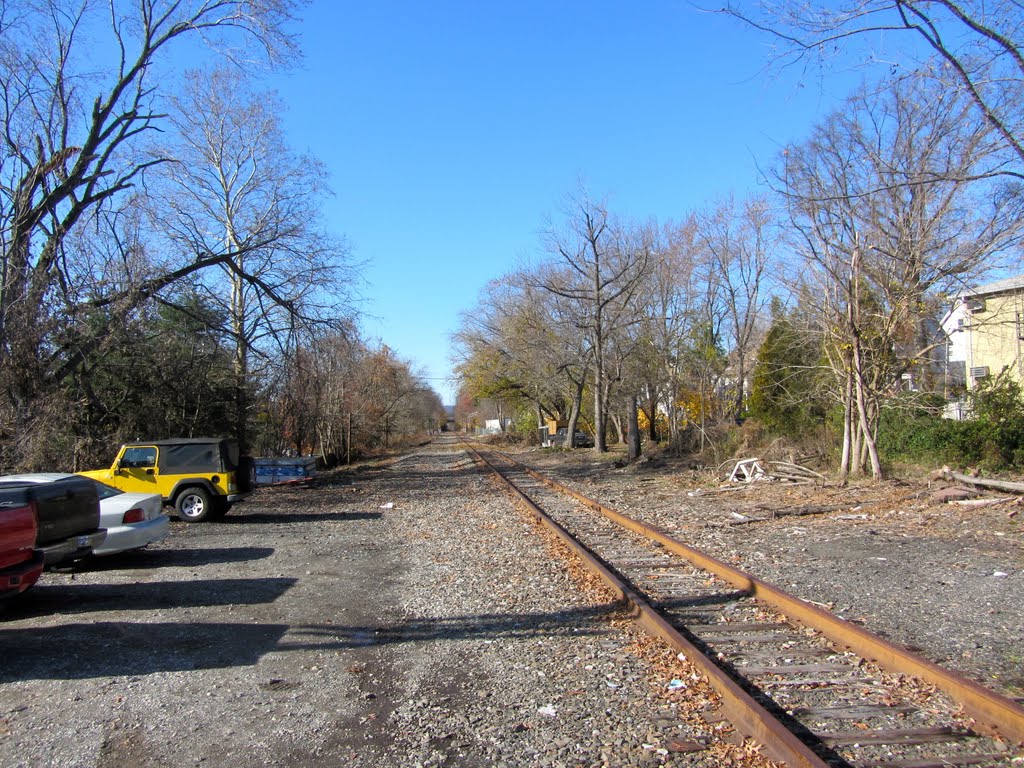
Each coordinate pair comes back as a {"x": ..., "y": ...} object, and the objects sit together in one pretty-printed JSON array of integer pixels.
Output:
[{"x": 452, "y": 129}]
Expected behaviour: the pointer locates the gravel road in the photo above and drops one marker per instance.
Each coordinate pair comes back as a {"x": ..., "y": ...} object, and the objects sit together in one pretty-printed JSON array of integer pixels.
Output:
[{"x": 399, "y": 615}]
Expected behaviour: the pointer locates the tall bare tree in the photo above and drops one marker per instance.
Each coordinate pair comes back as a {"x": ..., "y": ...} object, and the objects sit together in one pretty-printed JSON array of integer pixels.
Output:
[
  {"x": 978, "y": 42},
  {"x": 236, "y": 188},
  {"x": 603, "y": 267},
  {"x": 888, "y": 218},
  {"x": 71, "y": 138},
  {"x": 667, "y": 312},
  {"x": 739, "y": 238}
]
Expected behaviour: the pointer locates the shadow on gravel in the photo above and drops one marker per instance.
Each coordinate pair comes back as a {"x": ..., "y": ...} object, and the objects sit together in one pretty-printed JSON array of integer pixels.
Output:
[
  {"x": 297, "y": 517},
  {"x": 447, "y": 474},
  {"x": 690, "y": 603},
  {"x": 46, "y": 599},
  {"x": 483, "y": 627},
  {"x": 165, "y": 558},
  {"x": 82, "y": 651}
]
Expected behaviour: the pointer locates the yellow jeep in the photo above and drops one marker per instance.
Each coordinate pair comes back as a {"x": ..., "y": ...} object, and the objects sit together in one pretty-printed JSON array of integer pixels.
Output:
[{"x": 200, "y": 477}]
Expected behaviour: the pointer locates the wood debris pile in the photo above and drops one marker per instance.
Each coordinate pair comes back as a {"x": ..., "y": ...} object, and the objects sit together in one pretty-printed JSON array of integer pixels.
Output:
[
  {"x": 746, "y": 472},
  {"x": 966, "y": 497}
]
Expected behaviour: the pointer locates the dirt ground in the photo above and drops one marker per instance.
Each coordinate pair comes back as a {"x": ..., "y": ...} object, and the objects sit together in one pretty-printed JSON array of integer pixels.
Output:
[{"x": 402, "y": 614}]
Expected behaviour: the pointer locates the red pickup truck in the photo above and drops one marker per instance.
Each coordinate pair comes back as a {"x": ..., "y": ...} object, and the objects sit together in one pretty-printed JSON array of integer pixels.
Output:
[
  {"x": 20, "y": 561},
  {"x": 45, "y": 523}
]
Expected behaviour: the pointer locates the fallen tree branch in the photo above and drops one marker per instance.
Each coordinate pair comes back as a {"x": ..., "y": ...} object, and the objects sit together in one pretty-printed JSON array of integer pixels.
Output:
[
  {"x": 817, "y": 509},
  {"x": 1001, "y": 485},
  {"x": 783, "y": 468},
  {"x": 737, "y": 519},
  {"x": 975, "y": 503},
  {"x": 723, "y": 489}
]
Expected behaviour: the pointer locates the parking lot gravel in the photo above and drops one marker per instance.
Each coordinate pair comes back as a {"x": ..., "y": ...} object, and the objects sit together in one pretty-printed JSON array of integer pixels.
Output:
[{"x": 404, "y": 613}]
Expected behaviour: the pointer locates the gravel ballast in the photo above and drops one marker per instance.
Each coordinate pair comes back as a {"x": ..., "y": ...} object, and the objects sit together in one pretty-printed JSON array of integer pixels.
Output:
[
  {"x": 405, "y": 616},
  {"x": 943, "y": 579},
  {"x": 409, "y": 615}
]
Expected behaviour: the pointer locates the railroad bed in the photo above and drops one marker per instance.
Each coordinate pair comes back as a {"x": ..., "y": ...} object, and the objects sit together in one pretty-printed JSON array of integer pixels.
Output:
[{"x": 810, "y": 688}]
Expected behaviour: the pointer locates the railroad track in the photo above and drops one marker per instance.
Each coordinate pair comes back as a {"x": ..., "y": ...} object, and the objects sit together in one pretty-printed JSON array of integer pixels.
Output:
[{"x": 810, "y": 688}]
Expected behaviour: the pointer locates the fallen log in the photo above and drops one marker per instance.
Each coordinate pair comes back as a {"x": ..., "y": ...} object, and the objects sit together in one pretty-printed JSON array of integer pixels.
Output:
[
  {"x": 1000, "y": 485},
  {"x": 945, "y": 495},
  {"x": 789, "y": 468},
  {"x": 817, "y": 509},
  {"x": 975, "y": 503}
]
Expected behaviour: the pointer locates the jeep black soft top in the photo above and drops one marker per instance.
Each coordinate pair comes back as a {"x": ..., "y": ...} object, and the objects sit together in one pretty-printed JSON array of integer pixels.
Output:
[{"x": 191, "y": 454}]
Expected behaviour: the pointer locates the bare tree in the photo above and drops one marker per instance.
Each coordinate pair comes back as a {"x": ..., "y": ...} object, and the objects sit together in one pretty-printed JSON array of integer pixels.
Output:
[
  {"x": 668, "y": 309},
  {"x": 887, "y": 218},
  {"x": 236, "y": 188},
  {"x": 70, "y": 151},
  {"x": 604, "y": 269},
  {"x": 740, "y": 242},
  {"x": 978, "y": 43}
]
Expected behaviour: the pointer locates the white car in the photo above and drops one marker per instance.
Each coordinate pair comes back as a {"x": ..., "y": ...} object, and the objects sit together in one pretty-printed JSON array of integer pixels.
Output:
[{"x": 132, "y": 520}]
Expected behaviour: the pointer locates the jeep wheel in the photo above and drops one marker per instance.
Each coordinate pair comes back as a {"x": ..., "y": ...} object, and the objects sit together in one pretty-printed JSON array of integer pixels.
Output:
[{"x": 193, "y": 505}]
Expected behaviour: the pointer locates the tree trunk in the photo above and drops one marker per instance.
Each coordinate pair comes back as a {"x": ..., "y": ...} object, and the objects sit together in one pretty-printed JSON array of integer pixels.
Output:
[
  {"x": 741, "y": 373},
  {"x": 620, "y": 433},
  {"x": 633, "y": 437},
  {"x": 844, "y": 461},
  {"x": 652, "y": 415},
  {"x": 600, "y": 422},
  {"x": 574, "y": 414},
  {"x": 862, "y": 408}
]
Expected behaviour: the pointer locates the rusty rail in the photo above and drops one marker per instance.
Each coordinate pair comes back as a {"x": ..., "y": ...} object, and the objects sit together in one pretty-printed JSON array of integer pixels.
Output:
[
  {"x": 993, "y": 713},
  {"x": 743, "y": 711}
]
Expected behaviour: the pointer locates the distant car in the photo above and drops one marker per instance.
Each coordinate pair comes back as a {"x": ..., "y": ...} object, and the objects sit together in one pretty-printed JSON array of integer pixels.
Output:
[
  {"x": 132, "y": 520},
  {"x": 581, "y": 439}
]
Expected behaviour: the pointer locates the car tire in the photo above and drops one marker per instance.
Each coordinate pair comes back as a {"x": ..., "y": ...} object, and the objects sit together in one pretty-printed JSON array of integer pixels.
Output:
[{"x": 193, "y": 505}]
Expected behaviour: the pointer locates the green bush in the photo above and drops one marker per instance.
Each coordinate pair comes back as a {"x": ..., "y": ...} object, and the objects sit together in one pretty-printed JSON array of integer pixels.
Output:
[
  {"x": 998, "y": 409},
  {"x": 785, "y": 384},
  {"x": 993, "y": 439}
]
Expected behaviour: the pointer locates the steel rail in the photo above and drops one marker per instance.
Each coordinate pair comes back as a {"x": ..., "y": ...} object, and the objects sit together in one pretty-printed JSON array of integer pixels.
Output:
[
  {"x": 748, "y": 716},
  {"x": 993, "y": 713}
]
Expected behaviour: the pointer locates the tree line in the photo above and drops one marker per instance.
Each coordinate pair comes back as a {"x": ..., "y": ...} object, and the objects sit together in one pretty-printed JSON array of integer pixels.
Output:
[
  {"x": 812, "y": 306},
  {"x": 166, "y": 269}
]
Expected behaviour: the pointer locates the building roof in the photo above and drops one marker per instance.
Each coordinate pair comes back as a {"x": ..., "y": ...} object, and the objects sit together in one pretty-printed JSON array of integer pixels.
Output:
[{"x": 999, "y": 286}]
